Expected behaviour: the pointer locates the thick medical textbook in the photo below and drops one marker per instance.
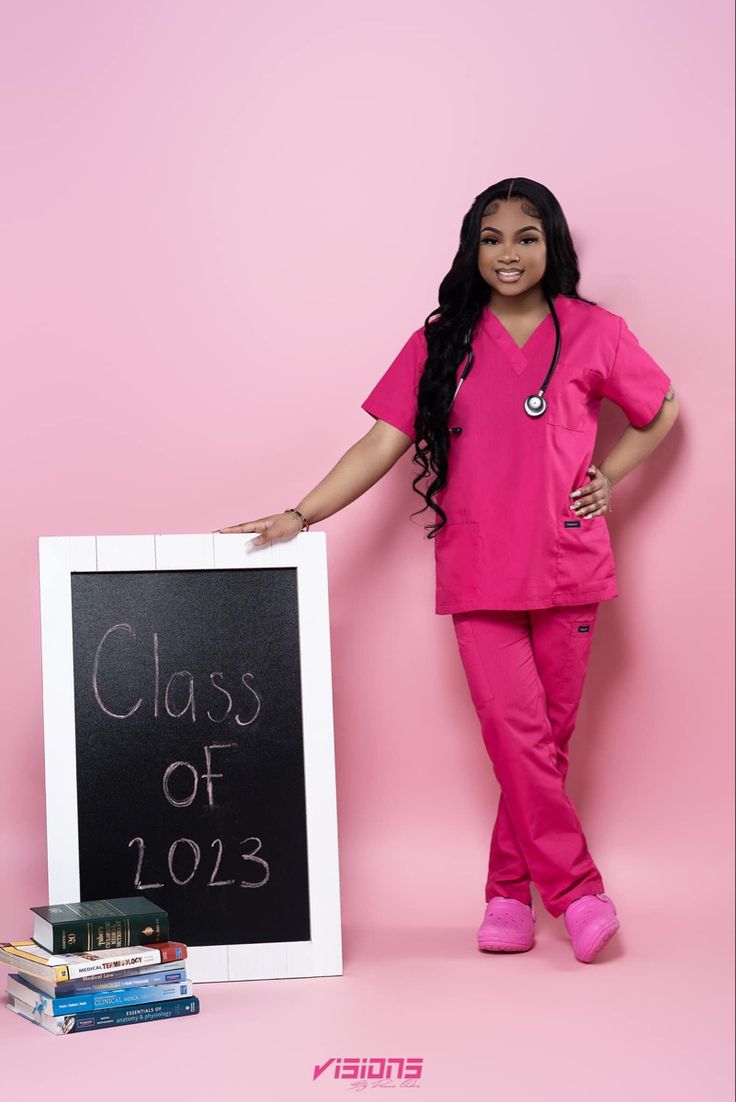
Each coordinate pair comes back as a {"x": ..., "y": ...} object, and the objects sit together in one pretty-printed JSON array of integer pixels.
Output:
[
  {"x": 104, "y": 1019},
  {"x": 100, "y": 924}
]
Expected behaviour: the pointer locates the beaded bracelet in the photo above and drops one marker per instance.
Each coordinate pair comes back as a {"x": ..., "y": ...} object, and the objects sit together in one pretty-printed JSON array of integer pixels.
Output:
[{"x": 302, "y": 518}]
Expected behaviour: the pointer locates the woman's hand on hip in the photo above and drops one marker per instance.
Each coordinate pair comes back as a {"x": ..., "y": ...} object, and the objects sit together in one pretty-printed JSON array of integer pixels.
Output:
[{"x": 593, "y": 498}]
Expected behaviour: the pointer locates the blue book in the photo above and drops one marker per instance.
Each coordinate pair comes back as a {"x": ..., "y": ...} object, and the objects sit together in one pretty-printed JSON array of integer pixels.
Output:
[
  {"x": 147, "y": 976},
  {"x": 105, "y": 1019},
  {"x": 41, "y": 1003}
]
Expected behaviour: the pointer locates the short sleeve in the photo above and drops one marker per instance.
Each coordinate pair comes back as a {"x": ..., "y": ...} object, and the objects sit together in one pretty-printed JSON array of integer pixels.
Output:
[
  {"x": 635, "y": 382},
  {"x": 394, "y": 397}
]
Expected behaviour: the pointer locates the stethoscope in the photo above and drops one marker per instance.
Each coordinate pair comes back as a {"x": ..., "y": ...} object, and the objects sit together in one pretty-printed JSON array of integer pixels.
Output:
[{"x": 536, "y": 404}]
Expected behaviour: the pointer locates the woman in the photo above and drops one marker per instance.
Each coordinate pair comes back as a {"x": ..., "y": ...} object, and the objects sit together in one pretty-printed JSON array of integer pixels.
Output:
[{"x": 522, "y": 550}]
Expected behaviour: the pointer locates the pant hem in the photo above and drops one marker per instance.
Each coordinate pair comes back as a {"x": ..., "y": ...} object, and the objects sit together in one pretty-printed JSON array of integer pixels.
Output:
[
  {"x": 526, "y": 902},
  {"x": 586, "y": 889}
]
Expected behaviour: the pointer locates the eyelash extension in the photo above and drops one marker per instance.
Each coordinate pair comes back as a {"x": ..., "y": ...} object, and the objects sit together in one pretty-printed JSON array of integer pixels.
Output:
[{"x": 494, "y": 240}]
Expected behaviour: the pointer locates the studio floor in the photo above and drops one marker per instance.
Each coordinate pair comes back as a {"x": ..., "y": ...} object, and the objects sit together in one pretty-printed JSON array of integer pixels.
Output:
[{"x": 650, "y": 1020}]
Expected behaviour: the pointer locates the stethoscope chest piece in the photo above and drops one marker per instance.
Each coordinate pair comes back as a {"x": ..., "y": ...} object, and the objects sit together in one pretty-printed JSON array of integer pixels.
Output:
[{"x": 535, "y": 405}]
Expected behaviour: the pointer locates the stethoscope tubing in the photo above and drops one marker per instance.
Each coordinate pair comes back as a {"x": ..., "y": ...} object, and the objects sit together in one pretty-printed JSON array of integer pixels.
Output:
[{"x": 535, "y": 405}]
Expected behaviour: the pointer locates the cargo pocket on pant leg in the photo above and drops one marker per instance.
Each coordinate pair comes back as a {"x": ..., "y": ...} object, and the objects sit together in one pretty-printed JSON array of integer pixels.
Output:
[
  {"x": 475, "y": 671},
  {"x": 579, "y": 643}
]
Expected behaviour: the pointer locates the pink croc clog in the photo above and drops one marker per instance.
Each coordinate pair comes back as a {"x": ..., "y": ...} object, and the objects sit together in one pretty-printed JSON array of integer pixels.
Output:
[
  {"x": 508, "y": 926},
  {"x": 591, "y": 922}
]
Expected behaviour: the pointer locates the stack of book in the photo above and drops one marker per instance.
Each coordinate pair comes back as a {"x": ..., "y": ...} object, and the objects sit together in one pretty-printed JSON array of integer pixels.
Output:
[{"x": 98, "y": 964}]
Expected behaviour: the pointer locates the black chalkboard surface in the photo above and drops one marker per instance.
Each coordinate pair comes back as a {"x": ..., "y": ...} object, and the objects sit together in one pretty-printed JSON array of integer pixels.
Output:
[{"x": 190, "y": 749}]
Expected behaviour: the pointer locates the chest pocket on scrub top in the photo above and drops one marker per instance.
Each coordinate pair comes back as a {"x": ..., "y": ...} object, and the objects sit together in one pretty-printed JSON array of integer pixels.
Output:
[{"x": 567, "y": 397}]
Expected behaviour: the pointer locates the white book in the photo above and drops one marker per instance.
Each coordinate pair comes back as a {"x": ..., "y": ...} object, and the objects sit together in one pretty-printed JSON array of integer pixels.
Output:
[{"x": 28, "y": 957}]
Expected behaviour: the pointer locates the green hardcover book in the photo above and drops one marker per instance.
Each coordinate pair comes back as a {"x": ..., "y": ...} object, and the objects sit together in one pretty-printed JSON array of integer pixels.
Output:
[{"x": 99, "y": 924}]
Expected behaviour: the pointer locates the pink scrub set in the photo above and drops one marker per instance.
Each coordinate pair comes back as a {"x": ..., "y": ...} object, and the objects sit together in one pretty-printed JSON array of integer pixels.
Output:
[{"x": 520, "y": 574}]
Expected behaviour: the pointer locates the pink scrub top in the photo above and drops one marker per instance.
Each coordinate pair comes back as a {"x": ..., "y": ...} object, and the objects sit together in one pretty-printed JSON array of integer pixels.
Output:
[{"x": 511, "y": 540}]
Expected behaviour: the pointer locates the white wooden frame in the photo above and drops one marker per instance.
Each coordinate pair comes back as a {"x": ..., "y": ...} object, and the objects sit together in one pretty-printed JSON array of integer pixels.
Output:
[{"x": 59, "y": 557}]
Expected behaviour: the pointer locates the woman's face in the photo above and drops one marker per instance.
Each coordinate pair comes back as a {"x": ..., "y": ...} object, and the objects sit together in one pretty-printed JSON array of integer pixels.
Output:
[{"x": 511, "y": 237}]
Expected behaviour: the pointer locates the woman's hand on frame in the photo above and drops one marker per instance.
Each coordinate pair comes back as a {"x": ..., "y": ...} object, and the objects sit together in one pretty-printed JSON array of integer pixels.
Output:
[{"x": 278, "y": 526}]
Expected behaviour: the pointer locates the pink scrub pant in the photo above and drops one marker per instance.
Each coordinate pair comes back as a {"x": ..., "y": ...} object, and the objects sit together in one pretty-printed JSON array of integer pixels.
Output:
[{"x": 525, "y": 672}]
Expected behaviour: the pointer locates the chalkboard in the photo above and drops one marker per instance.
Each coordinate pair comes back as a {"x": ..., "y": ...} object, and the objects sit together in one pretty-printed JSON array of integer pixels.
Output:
[{"x": 190, "y": 744}]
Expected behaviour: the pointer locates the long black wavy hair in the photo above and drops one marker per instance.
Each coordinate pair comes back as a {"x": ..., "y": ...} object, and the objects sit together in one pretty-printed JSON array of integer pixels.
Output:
[{"x": 463, "y": 295}]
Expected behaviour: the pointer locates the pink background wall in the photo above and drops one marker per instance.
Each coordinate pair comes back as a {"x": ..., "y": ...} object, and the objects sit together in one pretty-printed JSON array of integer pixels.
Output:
[{"x": 212, "y": 212}]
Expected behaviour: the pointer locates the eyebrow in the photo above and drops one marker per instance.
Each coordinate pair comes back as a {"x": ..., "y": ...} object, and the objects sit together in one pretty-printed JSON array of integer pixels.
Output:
[{"x": 523, "y": 228}]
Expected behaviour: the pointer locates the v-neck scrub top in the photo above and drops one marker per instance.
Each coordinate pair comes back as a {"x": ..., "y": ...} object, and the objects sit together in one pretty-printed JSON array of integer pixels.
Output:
[{"x": 511, "y": 540}]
